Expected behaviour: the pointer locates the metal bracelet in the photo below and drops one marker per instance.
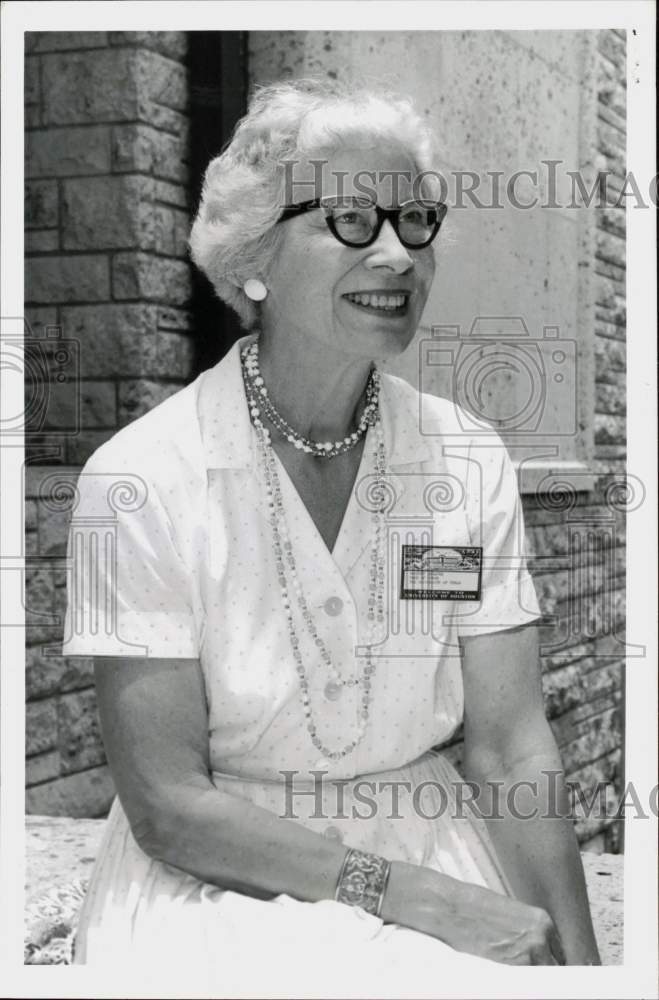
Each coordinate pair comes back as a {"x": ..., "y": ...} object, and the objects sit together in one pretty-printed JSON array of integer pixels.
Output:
[{"x": 363, "y": 880}]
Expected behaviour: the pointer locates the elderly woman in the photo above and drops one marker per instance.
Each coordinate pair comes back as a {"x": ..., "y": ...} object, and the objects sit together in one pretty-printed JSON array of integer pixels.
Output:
[{"x": 307, "y": 599}]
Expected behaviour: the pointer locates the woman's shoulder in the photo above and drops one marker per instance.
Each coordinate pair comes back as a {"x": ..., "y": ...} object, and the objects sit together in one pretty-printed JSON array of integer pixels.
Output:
[{"x": 163, "y": 445}]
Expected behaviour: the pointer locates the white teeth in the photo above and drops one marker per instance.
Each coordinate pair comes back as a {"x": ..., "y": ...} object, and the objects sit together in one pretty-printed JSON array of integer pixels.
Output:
[{"x": 387, "y": 302}]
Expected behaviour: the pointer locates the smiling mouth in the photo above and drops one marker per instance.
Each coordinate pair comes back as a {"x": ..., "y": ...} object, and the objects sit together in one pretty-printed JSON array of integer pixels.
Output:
[{"x": 392, "y": 303}]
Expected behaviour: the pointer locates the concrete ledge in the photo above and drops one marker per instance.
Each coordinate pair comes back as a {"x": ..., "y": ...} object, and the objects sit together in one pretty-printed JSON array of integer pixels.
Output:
[{"x": 61, "y": 851}]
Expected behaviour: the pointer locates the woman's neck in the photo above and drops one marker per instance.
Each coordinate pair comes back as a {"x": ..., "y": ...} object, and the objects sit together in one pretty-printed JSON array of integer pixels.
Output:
[{"x": 317, "y": 390}]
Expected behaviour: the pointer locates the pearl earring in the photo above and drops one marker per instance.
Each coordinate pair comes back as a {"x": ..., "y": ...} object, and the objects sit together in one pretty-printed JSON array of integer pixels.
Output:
[{"x": 255, "y": 290}]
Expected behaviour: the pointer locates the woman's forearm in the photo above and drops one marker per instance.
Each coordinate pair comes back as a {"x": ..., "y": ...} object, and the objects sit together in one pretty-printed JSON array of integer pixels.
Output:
[
  {"x": 228, "y": 841},
  {"x": 537, "y": 846},
  {"x": 234, "y": 844}
]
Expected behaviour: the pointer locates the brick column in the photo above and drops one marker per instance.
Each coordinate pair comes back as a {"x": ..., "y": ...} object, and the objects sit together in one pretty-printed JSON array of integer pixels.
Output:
[{"x": 107, "y": 218}]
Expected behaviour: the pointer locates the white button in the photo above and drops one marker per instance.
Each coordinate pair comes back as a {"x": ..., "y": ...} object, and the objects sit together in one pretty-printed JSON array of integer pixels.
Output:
[
  {"x": 333, "y": 606},
  {"x": 333, "y": 833},
  {"x": 321, "y": 765}
]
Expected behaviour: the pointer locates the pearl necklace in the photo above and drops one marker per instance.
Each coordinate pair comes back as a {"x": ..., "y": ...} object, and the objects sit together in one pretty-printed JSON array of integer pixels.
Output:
[
  {"x": 289, "y": 580},
  {"x": 321, "y": 449}
]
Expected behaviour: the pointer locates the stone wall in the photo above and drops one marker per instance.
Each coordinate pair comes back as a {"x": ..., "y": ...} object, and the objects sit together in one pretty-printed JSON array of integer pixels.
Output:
[
  {"x": 584, "y": 543},
  {"x": 107, "y": 292},
  {"x": 107, "y": 215}
]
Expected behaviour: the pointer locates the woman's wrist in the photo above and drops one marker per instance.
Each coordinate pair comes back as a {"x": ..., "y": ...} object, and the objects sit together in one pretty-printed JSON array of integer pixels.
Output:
[
  {"x": 418, "y": 897},
  {"x": 363, "y": 880}
]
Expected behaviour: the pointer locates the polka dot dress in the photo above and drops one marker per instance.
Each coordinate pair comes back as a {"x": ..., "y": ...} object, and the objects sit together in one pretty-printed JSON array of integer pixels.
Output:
[{"x": 172, "y": 556}]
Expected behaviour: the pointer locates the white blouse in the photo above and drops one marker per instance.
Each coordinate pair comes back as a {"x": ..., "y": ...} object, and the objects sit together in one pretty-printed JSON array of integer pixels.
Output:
[{"x": 172, "y": 556}]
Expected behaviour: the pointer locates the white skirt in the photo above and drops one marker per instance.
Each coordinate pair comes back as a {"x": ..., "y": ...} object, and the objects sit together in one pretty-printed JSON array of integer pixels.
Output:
[{"x": 145, "y": 914}]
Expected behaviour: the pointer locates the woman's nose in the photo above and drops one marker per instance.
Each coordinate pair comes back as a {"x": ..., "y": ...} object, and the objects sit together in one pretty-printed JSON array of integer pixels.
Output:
[{"x": 388, "y": 251}]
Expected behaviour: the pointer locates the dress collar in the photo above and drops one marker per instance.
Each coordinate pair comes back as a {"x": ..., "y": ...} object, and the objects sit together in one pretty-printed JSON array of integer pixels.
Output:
[{"x": 227, "y": 432}]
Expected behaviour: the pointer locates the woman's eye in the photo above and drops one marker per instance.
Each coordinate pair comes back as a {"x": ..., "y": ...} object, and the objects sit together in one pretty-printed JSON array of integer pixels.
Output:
[{"x": 348, "y": 218}]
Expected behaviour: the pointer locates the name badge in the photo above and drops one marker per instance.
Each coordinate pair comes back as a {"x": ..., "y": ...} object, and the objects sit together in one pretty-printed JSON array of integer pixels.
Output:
[{"x": 441, "y": 572}]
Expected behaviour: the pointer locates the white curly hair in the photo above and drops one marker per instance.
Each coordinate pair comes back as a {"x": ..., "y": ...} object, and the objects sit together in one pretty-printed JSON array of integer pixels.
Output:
[{"x": 234, "y": 234}]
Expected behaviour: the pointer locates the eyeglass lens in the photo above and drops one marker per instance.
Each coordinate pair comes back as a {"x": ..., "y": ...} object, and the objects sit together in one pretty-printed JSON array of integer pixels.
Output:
[{"x": 355, "y": 221}]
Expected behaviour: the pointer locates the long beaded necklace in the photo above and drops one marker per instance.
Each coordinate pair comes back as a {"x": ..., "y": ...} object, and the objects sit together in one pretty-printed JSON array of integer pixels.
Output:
[
  {"x": 289, "y": 580},
  {"x": 321, "y": 449}
]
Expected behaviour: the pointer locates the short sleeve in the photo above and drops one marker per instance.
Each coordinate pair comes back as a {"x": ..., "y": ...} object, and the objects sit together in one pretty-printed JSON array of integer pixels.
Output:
[
  {"x": 128, "y": 587},
  {"x": 496, "y": 522}
]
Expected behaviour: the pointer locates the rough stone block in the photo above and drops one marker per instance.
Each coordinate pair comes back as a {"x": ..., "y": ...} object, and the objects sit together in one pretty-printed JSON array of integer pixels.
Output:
[
  {"x": 32, "y": 87},
  {"x": 102, "y": 213},
  {"x": 37, "y": 478},
  {"x": 54, "y": 41},
  {"x": 87, "y": 793},
  {"x": 564, "y": 657},
  {"x": 37, "y": 318},
  {"x": 174, "y": 355},
  {"x": 40, "y": 726},
  {"x": 115, "y": 340},
  {"x": 171, "y": 194},
  {"x": 562, "y": 689},
  {"x": 32, "y": 116},
  {"x": 83, "y": 278},
  {"x": 144, "y": 149},
  {"x": 41, "y": 240},
  {"x": 170, "y": 43},
  {"x": 41, "y": 205},
  {"x": 616, "y": 316},
  {"x": 607, "y": 330},
  {"x": 38, "y": 594},
  {"x": 68, "y": 151},
  {"x": 40, "y": 634},
  {"x": 581, "y": 742},
  {"x": 96, "y": 402},
  {"x": 550, "y": 540},
  {"x": 136, "y": 398},
  {"x": 610, "y": 399},
  {"x": 610, "y": 356},
  {"x": 83, "y": 87},
  {"x": 611, "y": 141},
  {"x": 84, "y": 444},
  {"x": 54, "y": 525},
  {"x": 30, "y": 514},
  {"x": 611, "y": 117},
  {"x": 610, "y": 429},
  {"x": 610, "y": 248},
  {"x": 613, "y": 221},
  {"x": 161, "y": 81},
  {"x": 575, "y": 684},
  {"x": 80, "y": 743},
  {"x": 142, "y": 276},
  {"x": 174, "y": 319},
  {"x": 610, "y": 457},
  {"x": 613, "y": 48},
  {"x": 615, "y": 272},
  {"x": 42, "y": 673},
  {"x": 43, "y": 767}
]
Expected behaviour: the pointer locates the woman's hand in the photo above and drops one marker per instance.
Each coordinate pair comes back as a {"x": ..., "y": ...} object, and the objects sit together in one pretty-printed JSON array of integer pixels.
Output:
[{"x": 471, "y": 919}]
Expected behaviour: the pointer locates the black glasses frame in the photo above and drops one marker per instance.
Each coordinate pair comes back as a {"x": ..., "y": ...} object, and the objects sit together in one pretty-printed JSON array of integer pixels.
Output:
[{"x": 393, "y": 214}]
